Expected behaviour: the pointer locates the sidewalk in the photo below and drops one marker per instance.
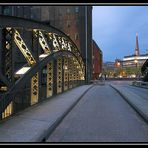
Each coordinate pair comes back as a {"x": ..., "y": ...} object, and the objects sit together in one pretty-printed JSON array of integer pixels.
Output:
[
  {"x": 37, "y": 122},
  {"x": 138, "y": 103}
]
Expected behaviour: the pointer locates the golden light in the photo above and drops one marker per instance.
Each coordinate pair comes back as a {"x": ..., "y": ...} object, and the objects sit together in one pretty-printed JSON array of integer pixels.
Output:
[
  {"x": 22, "y": 71},
  {"x": 136, "y": 61},
  {"x": 118, "y": 64}
]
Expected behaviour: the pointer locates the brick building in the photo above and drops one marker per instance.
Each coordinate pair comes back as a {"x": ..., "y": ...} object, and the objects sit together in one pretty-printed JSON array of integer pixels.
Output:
[
  {"x": 96, "y": 60},
  {"x": 76, "y": 22}
]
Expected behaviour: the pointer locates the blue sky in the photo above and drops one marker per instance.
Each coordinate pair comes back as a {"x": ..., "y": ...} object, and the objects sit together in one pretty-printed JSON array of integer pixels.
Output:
[{"x": 115, "y": 28}]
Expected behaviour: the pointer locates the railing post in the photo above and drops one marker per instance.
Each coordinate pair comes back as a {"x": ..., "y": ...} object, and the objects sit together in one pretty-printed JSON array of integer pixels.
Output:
[
  {"x": 1, "y": 103},
  {"x": 50, "y": 74},
  {"x": 63, "y": 71},
  {"x": 66, "y": 77},
  {"x": 8, "y": 66},
  {"x": 41, "y": 89},
  {"x": 59, "y": 75},
  {"x": 1, "y": 51},
  {"x": 70, "y": 73},
  {"x": 55, "y": 77},
  {"x": 35, "y": 89}
]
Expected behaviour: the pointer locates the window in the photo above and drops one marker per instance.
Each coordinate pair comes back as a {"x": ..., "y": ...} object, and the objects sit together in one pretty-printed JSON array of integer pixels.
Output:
[
  {"x": 60, "y": 12},
  {"x": 68, "y": 24},
  {"x": 68, "y": 10},
  {"x": 76, "y": 36},
  {"x": 77, "y": 23},
  {"x": 7, "y": 10},
  {"x": 76, "y": 9}
]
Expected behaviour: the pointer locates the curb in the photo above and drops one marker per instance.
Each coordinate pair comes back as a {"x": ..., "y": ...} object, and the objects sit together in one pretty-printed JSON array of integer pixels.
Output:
[
  {"x": 45, "y": 135},
  {"x": 140, "y": 86},
  {"x": 132, "y": 104}
]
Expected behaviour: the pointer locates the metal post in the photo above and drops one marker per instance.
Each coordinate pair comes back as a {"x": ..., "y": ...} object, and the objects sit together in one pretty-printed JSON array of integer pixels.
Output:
[
  {"x": 54, "y": 77},
  {"x": 86, "y": 49},
  {"x": 63, "y": 71}
]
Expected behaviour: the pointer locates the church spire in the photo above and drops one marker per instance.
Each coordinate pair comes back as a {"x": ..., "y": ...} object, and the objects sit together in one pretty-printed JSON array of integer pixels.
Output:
[{"x": 137, "y": 53}]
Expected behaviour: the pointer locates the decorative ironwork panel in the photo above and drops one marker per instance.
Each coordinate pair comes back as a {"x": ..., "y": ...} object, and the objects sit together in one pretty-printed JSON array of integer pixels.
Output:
[
  {"x": 70, "y": 67},
  {"x": 75, "y": 71},
  {"x": 80, "y": 73},
  {"x": 23, "y": 48},
  {"x": 50, "y": 79},
  {"x": 69, "y": 46},
  {"x": 53, "y": 37},
  {"x": 59, "y": 75},
  {"x": 34, "y": 89},
  {"x": 7, "y": 53},
  {"x": 65, "y": 71},
  {"x": 8, "y": 111},
  {"x": 66, "y": 74},
  {"x": 64, "y": 43},
  {"x": 42, "y": 41}
]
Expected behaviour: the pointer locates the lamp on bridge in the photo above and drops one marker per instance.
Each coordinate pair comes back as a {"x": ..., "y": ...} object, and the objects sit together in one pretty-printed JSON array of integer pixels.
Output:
[
  {"x": 136, "y": 62},
  {"x": 118, "y": 64}
]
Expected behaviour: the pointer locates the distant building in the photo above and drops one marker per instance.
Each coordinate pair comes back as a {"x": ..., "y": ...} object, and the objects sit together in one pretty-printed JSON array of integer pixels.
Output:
[
  {"x": 97, "y": 60},
  {"x": 136, "y": 59},
  {"x": 108, "y": 66},
  {"x": 118, "y": 63}
]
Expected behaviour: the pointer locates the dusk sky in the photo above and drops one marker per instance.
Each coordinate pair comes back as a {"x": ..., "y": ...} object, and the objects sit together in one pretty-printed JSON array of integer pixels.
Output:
[{"x": 115, "y": 28}]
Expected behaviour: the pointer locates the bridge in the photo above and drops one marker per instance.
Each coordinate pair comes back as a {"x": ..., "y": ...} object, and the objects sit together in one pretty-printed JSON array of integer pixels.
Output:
[
  {"x": 37, "y": 61},
  {"x": 44, "y": 96}
]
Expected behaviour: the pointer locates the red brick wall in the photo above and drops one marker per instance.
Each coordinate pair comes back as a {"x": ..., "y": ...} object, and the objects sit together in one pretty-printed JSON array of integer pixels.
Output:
[{"x": 96, "y": 60}]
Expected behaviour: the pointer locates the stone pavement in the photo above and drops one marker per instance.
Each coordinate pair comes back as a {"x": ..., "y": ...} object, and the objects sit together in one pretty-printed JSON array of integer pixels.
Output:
[
  {"x": 137, "y": 102},
  {"x": 37, "y": 122},
  {"x": 102, "y": 115}
]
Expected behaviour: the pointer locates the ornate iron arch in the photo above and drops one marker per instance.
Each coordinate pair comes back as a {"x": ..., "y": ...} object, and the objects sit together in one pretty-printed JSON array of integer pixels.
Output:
[{"x": 53, "y": 63}]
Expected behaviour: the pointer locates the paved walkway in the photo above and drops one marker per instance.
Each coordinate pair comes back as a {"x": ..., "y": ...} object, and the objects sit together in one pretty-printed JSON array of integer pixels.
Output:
[
  {"x": 36, "y": 122},
  {"x": 101, "y": 115},
  {"x": 138, "y": 102}
]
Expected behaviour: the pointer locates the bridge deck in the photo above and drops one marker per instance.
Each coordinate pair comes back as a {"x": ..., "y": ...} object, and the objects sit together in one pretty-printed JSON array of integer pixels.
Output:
[{"x": 33, "y": 124}]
